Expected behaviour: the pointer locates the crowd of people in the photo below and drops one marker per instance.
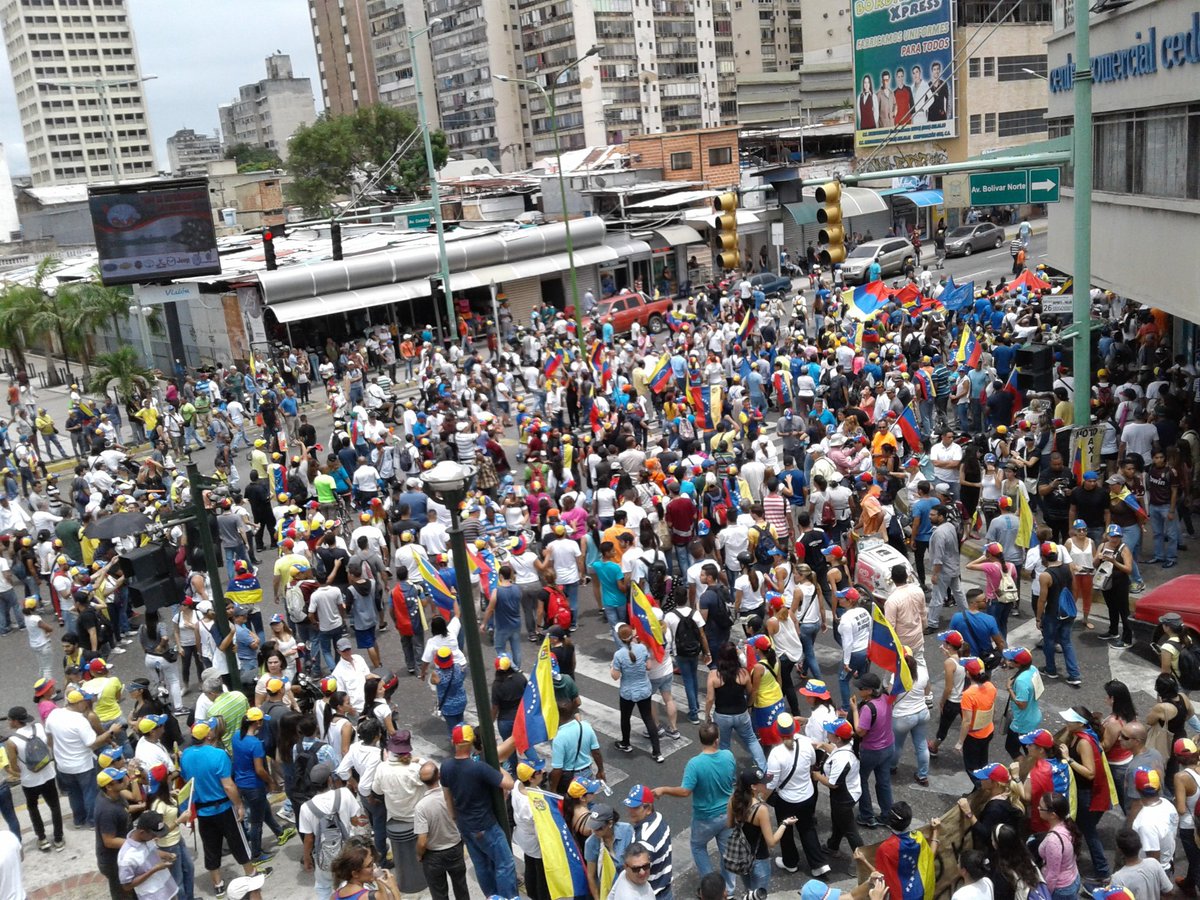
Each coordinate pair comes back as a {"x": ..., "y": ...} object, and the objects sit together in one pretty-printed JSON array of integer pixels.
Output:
[{"x": 714, "y": 498}]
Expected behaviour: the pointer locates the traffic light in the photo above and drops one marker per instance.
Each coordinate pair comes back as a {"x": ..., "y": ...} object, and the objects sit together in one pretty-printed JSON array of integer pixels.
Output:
[
  {"x": 335, "y": 235},
  {"x": 726, "y": 241},
  {"x": 269, "y": 250},
  {"x": 438, "y": 292},
  {"x": 832, "y": 235}
]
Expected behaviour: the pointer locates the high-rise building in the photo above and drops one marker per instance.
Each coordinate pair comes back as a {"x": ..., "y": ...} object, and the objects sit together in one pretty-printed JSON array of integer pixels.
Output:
[
  {"x": 10, "y": 224},
  {"x": 395, "y": 67},
  {"x": 189, "y": 153},
  {"x": 79, "y": 91},
  {"x": 342, "y": 35},
  {"x": 268, "y": 112}
]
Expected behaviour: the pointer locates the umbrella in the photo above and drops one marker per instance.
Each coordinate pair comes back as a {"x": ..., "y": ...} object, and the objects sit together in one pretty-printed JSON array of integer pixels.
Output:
[{"x": 117, "y": 525}]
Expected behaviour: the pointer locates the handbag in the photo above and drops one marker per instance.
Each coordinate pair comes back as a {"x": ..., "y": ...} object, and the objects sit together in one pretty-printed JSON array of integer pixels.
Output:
[{"x": 1102, "y": 578}]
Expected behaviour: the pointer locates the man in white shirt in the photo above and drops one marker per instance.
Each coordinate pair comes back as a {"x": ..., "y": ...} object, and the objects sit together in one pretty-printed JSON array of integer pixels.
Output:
[
  {"x": 789, "y": 776},
  {"x": 946, "y": 457},
  {"x": 633, "y": 882},
  {"x": 1156, "y": 821},
  {"x": 351, "y": 673},
  {"x": 311, "y": 814},
  {"x": 73, "y": 740},
  {"x": 372, "y": 532},
  {"x": 435, "y": 538},
  {"x": 854, "y": 628},
  {"x": 564, "y": 555},
  {"x": 143, "y": 869},
  {"x": 326, "y": 608}
]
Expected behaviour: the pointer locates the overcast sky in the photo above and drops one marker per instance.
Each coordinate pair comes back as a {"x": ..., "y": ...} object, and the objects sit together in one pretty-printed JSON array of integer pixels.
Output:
[{"x": 201, "y": 52}]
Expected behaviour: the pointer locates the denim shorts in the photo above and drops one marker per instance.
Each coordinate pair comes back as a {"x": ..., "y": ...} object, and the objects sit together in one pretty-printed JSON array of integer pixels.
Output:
[{"x": 658, "y": 685}]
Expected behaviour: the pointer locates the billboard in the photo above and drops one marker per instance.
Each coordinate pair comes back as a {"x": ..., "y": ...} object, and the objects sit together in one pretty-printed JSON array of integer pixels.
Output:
[
  {"x": 154, "y": 230},
  {"x": 903, "y": 71}
]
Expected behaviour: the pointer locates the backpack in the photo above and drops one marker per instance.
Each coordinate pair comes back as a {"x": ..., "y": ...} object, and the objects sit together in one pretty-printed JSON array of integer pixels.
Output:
[
  {"x": 331, "y": 833},
  {"x": 656, "y": 577},
  {"x": 723, "y": 618},
  {"x": 827, "y": 517},
  {"x": 1066, "y": 605},
  {"x": 36, "y": 755},
  {"x": 1006, "y": 591},
  {"x": 1189, "y": 667},
  {"x": 764, "y": 545},
  {"x": 687, "y": 636},
  {"x": 295, "y": 604},
  {"x": 404, "y": 460},
  {"x": 738, "y": 856},
  {"x": 303, "y": 788}
]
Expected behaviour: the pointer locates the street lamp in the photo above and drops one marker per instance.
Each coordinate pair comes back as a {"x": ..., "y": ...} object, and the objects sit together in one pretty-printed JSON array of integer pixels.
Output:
[
  {"x": 140, "y": 314},
  {"x": 447, "y": 483},
  {"x": 1081, "y": 299},
  {"x": 101, "y": 86},
  {"x": 549, "y": 98},
  {"x": 435, "y": 196},
  {"x": 1034, "y": 74}
]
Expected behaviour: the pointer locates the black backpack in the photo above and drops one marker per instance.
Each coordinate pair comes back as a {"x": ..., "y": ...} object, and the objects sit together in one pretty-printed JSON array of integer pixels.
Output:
[
  {"x": 303, "y": 788},
  {"x": 687, "y": 636},
  {"x": 765, "y": 544},
  {"x": 1189, "y": 667},
  {"x": 656, "y": 577}
]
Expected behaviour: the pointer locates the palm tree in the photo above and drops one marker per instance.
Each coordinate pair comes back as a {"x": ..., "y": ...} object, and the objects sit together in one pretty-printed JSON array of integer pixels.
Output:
[
  {"x": 28, "y": 312},
  {"x": 121, "y": 371}
]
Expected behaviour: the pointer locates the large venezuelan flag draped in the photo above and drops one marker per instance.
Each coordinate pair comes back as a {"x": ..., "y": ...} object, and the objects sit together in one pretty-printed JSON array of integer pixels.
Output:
[
  {"x": 1109, "y": 785},
  {"x": 908, "y": 428},
  {"x": 706, "y": 404},
  {"x": 884, "y": 651},
  {"x": 607, "y": 870},
  {"x": 537, "y": 716},
  {"x": 1062, "y": 776},
  {"x": 865, "y": 300},
  {"x": 645, "y": 623},
  {"x": 743, "y": 332},
  {"x": 482, "y": 567},
  {"x": 970, "y": 351},
  {"x": 553, "y": 362},
  {"x": 660, "y": 375},
  {"x": 915, "y": 867},
  {"x": 1127, "y": 497},
  {"x": 442, "y": 595},
  {"x": 565, "y": 872},
  {"x": 244, "y": 590}
]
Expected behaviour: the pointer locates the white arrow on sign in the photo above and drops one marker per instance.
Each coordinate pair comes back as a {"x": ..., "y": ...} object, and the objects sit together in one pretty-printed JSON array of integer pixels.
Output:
[{"x": 1046, "y": 185}]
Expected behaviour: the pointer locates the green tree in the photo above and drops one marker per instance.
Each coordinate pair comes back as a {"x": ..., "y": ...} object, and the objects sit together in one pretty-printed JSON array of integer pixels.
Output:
[
  {"x": 253, "y": 159},
  {"x": 28, "y": 313},
  {"x": 328, "y": 158},
  {"x": 121, "y": 371}
]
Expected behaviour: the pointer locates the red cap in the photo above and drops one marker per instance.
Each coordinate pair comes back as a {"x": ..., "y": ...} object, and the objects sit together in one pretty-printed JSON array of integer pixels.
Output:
[
  {"x": 463, "y": 734},
  {"x": 953, "y": 638},
  {"x": 974, "y": 666}
]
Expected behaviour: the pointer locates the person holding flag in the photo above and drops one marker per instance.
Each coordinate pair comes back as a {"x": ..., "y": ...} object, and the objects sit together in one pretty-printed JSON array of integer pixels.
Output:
[{"x": 905, "y": 859}]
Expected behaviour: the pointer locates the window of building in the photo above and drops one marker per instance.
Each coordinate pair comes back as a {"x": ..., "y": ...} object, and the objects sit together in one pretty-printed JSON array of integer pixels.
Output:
[
  {"x": 681, "y": 161},
  {"x": 1020, "y": 12},
  {"x": 973, "y": 68},
  {"x": 989, "y": 122},
  {"x": 976, "y": 124},
  {"x": 1020, "y": 68},
  {"x": 989, "y": 67},
  {"x": 720, "y": 156},
  {"x": 1022, "y": 121}
]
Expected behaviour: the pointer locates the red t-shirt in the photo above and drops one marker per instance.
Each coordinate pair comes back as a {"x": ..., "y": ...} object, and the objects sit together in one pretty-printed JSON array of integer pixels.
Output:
[{"x": 681, "y": 518}]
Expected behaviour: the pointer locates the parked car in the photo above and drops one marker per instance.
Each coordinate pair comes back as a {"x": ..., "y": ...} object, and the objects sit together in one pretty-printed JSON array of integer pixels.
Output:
[
  {"x": 1179, "y": 595},
  {"x": 892, "y": 254},
  {"x": 626, "y": 308},
  {"x": 966, "y": 239},
  {"x": 771, "y": 283}
]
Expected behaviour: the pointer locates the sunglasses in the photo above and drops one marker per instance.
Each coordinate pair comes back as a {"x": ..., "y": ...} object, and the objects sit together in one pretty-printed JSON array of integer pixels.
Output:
[{"x": 638, "y": 869}]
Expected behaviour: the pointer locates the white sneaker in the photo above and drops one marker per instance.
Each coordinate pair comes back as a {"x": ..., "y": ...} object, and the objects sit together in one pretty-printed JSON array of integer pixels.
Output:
[{"x": 118, "y": 650}]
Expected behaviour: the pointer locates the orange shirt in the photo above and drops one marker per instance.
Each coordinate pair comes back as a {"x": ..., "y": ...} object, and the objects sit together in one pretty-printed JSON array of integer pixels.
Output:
[{"x": 978, "y": 704}]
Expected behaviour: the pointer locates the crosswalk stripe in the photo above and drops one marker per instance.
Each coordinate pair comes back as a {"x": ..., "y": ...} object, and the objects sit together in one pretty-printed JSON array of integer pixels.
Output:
[{"x": 597, "y": 670}]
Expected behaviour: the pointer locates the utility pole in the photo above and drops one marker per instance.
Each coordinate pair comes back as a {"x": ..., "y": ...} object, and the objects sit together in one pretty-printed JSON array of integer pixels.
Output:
[
  {"x": 1081, "y": 298},
  {"x": 201, "y": 516}
]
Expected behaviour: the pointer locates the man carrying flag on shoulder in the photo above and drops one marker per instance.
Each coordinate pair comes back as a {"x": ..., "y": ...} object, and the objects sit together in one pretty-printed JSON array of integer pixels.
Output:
[{"x": 906, "y": 858}]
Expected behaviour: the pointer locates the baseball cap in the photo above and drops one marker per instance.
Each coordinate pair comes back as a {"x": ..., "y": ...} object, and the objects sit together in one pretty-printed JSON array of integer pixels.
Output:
[
  {"x": 203, "y": 728},
  {"x": 819, "y": 890},
  {"x": 107, "y": 776},
  {"x": 400, "y": 742},
  {"x": 328, "y": 685},
  {"x": 1185, "y": 747},
  {"x": 503, "y": 662},
  {"x": 752, "y": 775},
  {"x": 528, "y": 766},
  {"x": 1115, "y": 479},
  {"x": 320, "y": 773},
  {"x": 274, "y": 685},
  {"x": 74, "y": 697},
  {"x": 849, "y": 593},
  {"x": 31, "y": 603},
  {"x": 98, "y": 665},
  {"x": 868, "y": 681},
  {"x": 1115, "y": 531},
  {"x": 951, "y": 637},
  {"x": 839, "y": 727},
  {"x": 639, "y": 795},
  {"x": 833, "y": 550},
  {"x": 973, "y": 665},
  {"x": 759, "y": 642},
  {"x": 255, "y": 714},
  {"x": 344, "y": 644},
  {"x": 152, "y": 822},
  {"x": 1113, "y": 893},
  {"x": 463, "y": 734},
  {"x": 1147, "y": 782},
  {"x": 993, "y": 772},
  {"x": 814, "y": 687},
  {"x": 444, "y": 658},
  {"x": 1079, "y": 525},
  {"x": 147, "y": 724},
  {"x": 1039, "y": 737},
  {"x": 581, "y": 786},
  {"x": 110, "y": 756},
  {"x": 785, "y": 724},
  {"x": 1019, "y": 655},
  {"x": 1090, "y": 475},
  {"x": 601, "y": 815},
  {"x": 1048, "y": 548}
]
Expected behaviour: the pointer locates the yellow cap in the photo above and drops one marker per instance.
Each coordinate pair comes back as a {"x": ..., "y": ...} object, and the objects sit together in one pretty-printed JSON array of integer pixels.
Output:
[
  {"x": 201, "y": 730},
  {"x": 524, "y": 771},
  {"x": 74, "y": 697},
  {"x": 254, "y": 714}
]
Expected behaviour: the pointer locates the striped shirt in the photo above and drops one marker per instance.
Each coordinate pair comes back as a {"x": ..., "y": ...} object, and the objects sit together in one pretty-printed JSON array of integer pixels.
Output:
[
  {"x": 655, "y": 833},
  {"x": 775, "y": 509}
]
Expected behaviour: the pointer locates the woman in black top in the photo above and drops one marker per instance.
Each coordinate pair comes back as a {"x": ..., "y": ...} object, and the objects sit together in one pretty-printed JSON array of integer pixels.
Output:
[
  {"x": 748, "y": 811},
  {"x": 507, "y": 690},
  {"x": 727, "y": 703}
]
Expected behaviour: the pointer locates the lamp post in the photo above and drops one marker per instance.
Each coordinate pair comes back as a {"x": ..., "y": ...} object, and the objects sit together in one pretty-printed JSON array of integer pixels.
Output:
[
  {"x": 435, "y": 196},
  {"x": 101, "y": 86},
  {"x": 1081, "y": 298},
  {"x": 447, "y": 482},
  {"x": 549, "y": 97},
  {"x": 140, "y": 314}
]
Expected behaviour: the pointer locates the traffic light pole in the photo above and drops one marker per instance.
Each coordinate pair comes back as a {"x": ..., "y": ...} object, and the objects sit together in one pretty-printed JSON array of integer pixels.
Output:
[
  {"x": 1081, "y": 297},
  {"x": 212, "y": 564}
]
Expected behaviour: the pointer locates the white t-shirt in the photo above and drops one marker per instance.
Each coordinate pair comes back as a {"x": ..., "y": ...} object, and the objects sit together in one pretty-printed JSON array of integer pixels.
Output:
[
  {"x": 564, "y": 553},
  {"x": 1156, "y": 824},
  {"x": 366, "y": 479},
  {"x": 799, "y": 786},
  {"x": 940, "y": 453},
  {"x": 322, "y": 805},
  {"x": 152, "y": 754},
  {"x": 326, "y": 603},
  {"x": 980, "y": 890},
  {"x": 19, "y": 738},
  {"x": 435, "y": 642},
  {"x": 12, "y": 886},
  {"x": 73, "y": 737},
  {"x": 752, "y": 600},
  {"x": 606, "y": 502}
]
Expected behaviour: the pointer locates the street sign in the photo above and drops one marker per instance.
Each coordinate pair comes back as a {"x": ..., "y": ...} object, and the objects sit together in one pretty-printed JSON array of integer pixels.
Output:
[
  {"x": 1016, "y": 187},
  {"x": 1057, "y": 304},
  {"x": 1043, "y": 184},
  {"x": 419, "y": 220}
]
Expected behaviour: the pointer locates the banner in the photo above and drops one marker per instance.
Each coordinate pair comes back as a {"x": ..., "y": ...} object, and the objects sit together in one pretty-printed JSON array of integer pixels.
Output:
[
  {"x": 1085, "y": 450},
  {"x": 903, "y": 71}
]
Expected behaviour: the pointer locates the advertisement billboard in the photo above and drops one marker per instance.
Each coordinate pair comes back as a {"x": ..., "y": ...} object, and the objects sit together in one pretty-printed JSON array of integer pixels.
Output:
[
  {"x": 903, "y": 71},
  {"x": 154, "y": 231}
]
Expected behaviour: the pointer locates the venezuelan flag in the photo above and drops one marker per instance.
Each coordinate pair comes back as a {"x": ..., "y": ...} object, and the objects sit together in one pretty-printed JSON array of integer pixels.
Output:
[
  {"x": 921, "y": 377},
  {"x": 885, "y": 651},
  {"x": 1062, "y": 777},
  {"x": 645, "y": 623},
  {"x": 565, "y": 872},
  {"x": 1024, "y": 521},
  {"x": 706, "y": 404},
  {"x": 865, "y": 300},
  {"x": 908, "y": 428},
  {"x": 553, "y": 362},
  {"x": 607, "y": 870},
  {"x": 537, "y": 716},
  {"x": 253, "y": 366},
  {"x": 748, "y": 323},
  {"x": 442, "y": 595},
  {"x": 480, "y": 568},
  {"x": 1127, "y": 497},
  {"x": 1010, "y": 387},
  {"x": 244, "y": 590},
  {"x": 908, "y": 296},
  {"x": 183, "y": 801},
  {"x": 970, "y": 351},
  {"x": 597, "y": 356},
  {"x": 660, "y": 375},
  {"x": 915, "y": 868}
]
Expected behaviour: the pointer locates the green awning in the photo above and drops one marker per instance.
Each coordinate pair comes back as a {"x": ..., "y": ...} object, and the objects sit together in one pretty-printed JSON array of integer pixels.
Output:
[{"x": 803, "y": 213}]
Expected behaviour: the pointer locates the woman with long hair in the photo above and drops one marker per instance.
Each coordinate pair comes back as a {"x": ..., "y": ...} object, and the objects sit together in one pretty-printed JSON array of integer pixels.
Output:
[
  {"x": 1187, "y": 791},
  {"x": 336, "y": 727},
  {"x": 1013, "y": 871},
  {"x": 630, "y": 667},
  {"x": 187, "y": 638},
  {"x": 783, "y": 633},
  {"x": 1057, "y": 848},
  {"x": 748, "y": 811},
  {"x": 970, "y": 484},
  {"x": 1095, "y": 792},
  {"x": 978, "y": 712},
  {"x": 810, "y": 617},
  {"x": 910, "y": 718},
  {"x": 272, "y": 664},
  {"x": 592, "y": 540},
  {"x": 954, "y": 679},
  {"x": 357, "y": 870},
  {"x": 1083, "y": 554},
  {"x": 766, "y": 692},
  {"x": 1114, "y": 553},
  {"x": 727, "y": 702},
  {"x": 254, "y": 782},
  {"x": 286, "y": 643},
  {"x": 162, "y": 799},
  {"x": 1121, "y": 713}
]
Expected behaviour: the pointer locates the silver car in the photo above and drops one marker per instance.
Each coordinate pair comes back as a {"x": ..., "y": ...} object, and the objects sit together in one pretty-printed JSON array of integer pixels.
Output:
[
  {"x": 966, "y": 239},
  {"x": 892, "y": 254}
]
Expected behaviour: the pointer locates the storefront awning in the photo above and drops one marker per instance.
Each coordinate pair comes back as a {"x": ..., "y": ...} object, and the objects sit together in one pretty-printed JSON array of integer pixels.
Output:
[
  {"x": 675, "y": 236},
  {"x": 860, "y": 202},
  {"x": 803, "y": 213},
  {"x": 922, "y": 198},
  {"x": 348, "y": 301}
]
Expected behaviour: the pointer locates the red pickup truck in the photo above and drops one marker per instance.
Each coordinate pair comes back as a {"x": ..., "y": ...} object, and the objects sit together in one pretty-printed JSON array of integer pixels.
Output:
[{"x": 626, "y": 308}]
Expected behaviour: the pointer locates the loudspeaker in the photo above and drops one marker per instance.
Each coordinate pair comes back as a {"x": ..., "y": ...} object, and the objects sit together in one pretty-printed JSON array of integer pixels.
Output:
[
  {"x": 1032, "y": 357},
  {"x": 145, "y": 563},
  {"x": 156, "y": 593},
  {"x": 1038, "y": 381}
]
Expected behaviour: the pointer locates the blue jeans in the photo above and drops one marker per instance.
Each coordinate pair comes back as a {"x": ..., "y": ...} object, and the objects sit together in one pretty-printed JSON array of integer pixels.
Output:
[
  {"x": 9, "y": 812},
  {"x": 492, "y": 856},
  {"x": 572, "y": 593},
  {"x": 740, "y": 725},
  {"x": 325, "y": 641},
  {"x": 258, "y": 813},
  {"x": 615, "y": 615},
  {"x": 1089, "y": 823},
  {"x": 510, "y": 637},
  {"x": 232, "y": 553},
  {"x": 879, "y": 764},
  {"x": 81, "y": 794},
  {"x": 703, "y": 832},
  {"x": 10, "y": 612},
  {"x": 759, "y": 877},
  {"x": 183, "y": 871},
  {"x": 999, "y": 611},
  {"x": 1164, "y": 530},
  {"x": 504, "y": 728},
  {"x": 915, "y": 725},
  {"x": 687, "y": 672},
  {"x": 858, "y": 664},
  {"x": 1070, "y": 892},
  {"x": 1057, "y": 632},
  {"x": 808, "y": 637},
  {"x": 1133, "y": 540},
  {"x": 683, "y": 559}
]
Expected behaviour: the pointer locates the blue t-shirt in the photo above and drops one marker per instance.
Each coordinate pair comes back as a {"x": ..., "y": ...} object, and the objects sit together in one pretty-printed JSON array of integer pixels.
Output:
[
  {"x": 417, "y": 503},
  {"x": 635, "y": 680},
  {"x": 1002, "y": 358},
  {"x": 609, "y": 573},
  {"x": 508, "y": 607},
  {"x": 243, "y": 637},
  {"x": 709, "y": 777},
  {"x": 607, "y": 331},
  {"x": 920, "y": 515},
  {"x": 470, "y": 783},
  {"x": 1027, "y": 719},
  {"x": 245, "y": 751},
  {"x": 978, "y": 628},
  {"x": 289, "y": 406},
  {"x": 798, "y": 483},
  {"x": 206, "y": 765}
]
